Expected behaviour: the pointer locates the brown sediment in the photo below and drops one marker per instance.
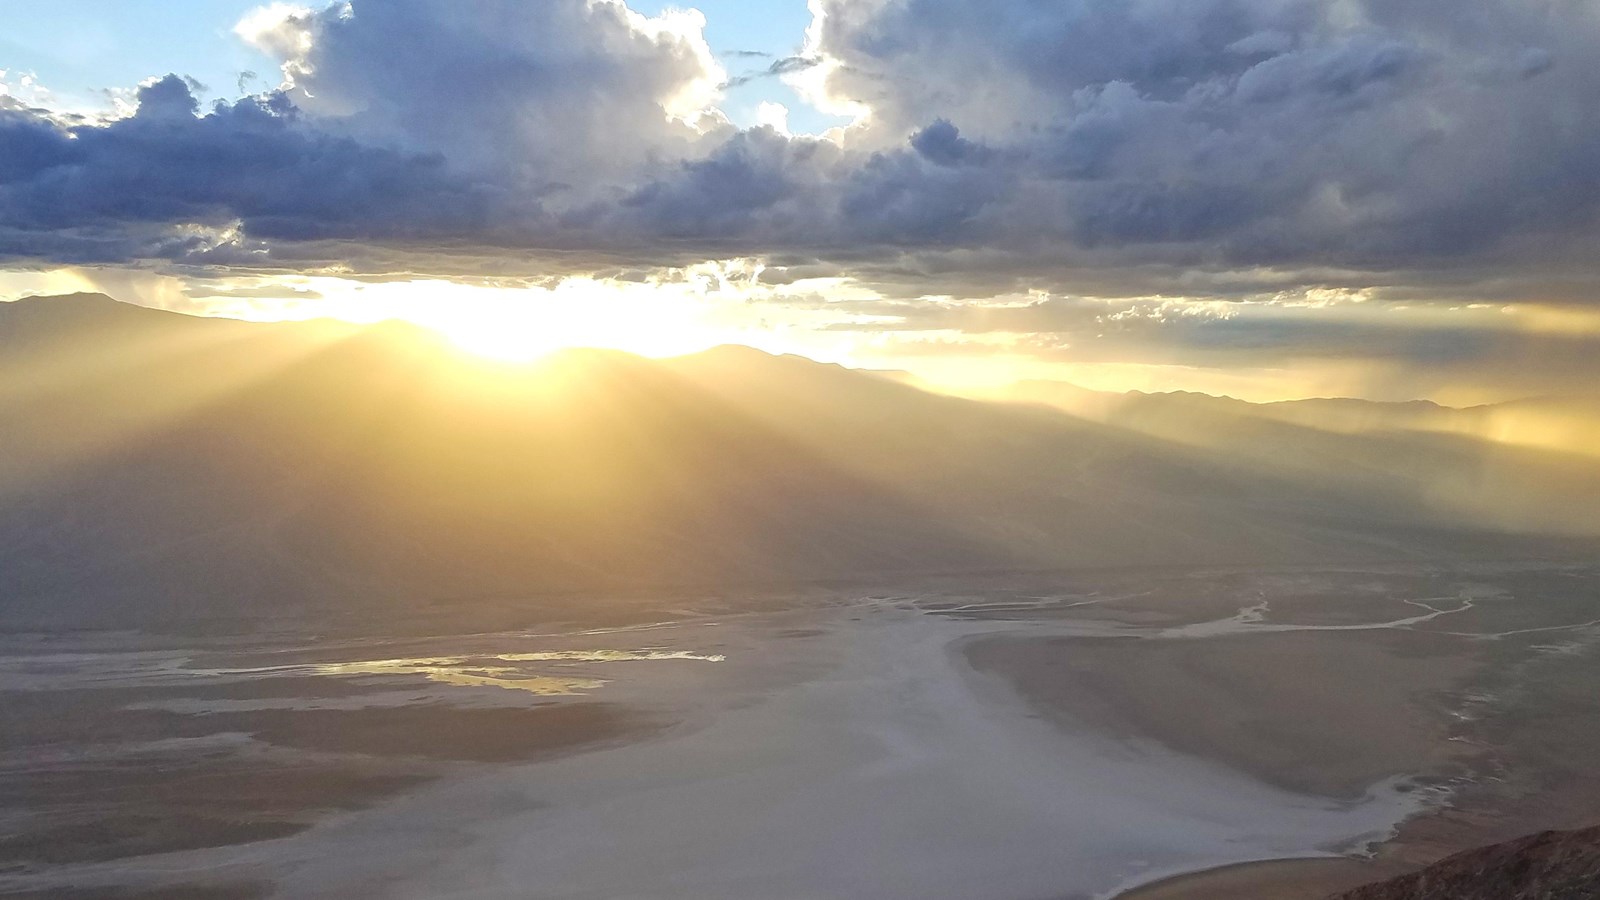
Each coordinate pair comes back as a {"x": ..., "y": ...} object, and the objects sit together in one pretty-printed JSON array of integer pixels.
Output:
[
  {"x": 436, "y": 732},
  {"x": 106, "y": 813},
  {"x": 1319, "y": 712},
  {"x": 1325, "y": 713},
  {"x": 232, "y": 891},
  {"x": 1281, "y": 879},
  {"x": 1506, "y": 723},
  {"x": 100, "y": 781}
]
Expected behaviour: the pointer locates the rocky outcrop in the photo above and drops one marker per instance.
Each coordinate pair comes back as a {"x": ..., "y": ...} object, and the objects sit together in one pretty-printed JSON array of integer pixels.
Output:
[{"x": 1551, "y": 865}]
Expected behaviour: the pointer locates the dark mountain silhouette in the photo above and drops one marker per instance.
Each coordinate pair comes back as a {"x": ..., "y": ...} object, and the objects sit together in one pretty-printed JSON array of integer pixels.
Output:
[{"x": 164, "y": 466}]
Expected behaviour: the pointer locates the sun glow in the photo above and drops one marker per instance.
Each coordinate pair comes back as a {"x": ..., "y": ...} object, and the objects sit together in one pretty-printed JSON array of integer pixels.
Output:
[
  {"x": 514, "y": 338},
  {"x": 515, "y": 323},
  {"x": 523, "y": 325}
]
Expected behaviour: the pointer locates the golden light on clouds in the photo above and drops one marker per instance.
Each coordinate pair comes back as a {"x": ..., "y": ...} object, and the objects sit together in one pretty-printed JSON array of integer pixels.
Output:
[
  {"x": 1257, "y": 349},
  {"x": 696, "y": 308}
]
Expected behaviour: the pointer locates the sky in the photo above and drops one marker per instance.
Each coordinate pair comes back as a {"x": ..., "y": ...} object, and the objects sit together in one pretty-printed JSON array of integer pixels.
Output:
[{"x": 1265, "y": 198}]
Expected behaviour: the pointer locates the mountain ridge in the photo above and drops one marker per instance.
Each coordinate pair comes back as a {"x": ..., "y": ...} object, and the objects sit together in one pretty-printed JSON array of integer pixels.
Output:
[{"x": 189, "y": 467}]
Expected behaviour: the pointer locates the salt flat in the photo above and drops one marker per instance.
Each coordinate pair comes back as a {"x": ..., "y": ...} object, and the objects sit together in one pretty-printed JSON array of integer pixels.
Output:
[{"x": 917, "y": 745}]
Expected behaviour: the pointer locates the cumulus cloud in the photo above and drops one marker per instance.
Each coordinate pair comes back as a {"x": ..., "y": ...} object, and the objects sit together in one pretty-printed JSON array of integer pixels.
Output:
[
  {"x": 1195, "y": 147},
  {"x": 531, "y": 95},
  {"x": 435, "y": 126},
  {"x": 167, "y": 183},
  {"x": 1375, "y": 135}
]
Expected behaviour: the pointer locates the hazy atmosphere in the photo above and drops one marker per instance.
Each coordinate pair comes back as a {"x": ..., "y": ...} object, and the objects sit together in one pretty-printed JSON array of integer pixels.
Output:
[{"x": 585, "y": 449}]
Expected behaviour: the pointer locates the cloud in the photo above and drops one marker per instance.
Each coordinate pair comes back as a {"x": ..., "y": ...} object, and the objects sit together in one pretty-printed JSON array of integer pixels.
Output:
[
  {"x": 1377, "y": 136},
  {"x": 400, "y": 126},
  {"x": 779, "y": 67},
  {"x": 528, "y": 94},
  {"x": 1203, "y": 148},
  {"x": 942, "y": 144},
  {"x": 167, "y": 183}
]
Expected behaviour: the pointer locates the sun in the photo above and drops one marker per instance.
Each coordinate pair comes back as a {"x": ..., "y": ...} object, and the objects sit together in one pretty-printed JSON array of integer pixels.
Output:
[
  {"x": 505, "y": 341},
  {"x": 524, "y": 325}
]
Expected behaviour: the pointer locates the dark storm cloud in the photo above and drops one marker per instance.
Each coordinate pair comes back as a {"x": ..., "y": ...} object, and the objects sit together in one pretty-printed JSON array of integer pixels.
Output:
[
  {"x": 1206, "y": 147},
  {"x": 942, "y": 144},
  {"x": 1097, "y": 141},
  {"x": 103, "y": 191},
  {"x": 747, "y": 183}
]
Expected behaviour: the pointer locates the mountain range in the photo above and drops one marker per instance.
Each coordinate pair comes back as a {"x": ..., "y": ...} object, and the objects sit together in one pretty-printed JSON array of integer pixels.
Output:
[{"x": 161, "y": 466}]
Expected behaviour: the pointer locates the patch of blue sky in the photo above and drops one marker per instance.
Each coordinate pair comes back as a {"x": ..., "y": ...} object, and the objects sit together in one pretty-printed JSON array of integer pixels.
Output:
[
  {"x": 749, "y": 36},
  {"x": 82, "y": 50}
]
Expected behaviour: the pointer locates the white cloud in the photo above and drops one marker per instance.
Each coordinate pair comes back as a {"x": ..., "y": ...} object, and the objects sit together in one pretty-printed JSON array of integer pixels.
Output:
[
  {"x": 532, "y": 94},
  {"x": 774, "y": 116}
]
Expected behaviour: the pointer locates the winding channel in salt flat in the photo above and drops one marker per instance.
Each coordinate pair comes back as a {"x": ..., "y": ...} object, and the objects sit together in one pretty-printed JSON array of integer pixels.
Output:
[{"x": 842, "y": 752}]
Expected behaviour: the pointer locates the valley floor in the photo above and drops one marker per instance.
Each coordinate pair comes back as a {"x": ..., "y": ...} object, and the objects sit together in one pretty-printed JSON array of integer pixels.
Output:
[{"x": 1074, "y": 736}]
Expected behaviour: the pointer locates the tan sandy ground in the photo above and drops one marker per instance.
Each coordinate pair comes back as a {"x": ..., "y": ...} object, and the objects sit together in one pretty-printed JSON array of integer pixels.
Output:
[
  {"x": 1507, "y": 723},
  {"x": 196, "y": 892},
  {"x": 134, "y": 795},
  {"x": 1295, "y": 879},
  {"x": 1326, "y": 713}
]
